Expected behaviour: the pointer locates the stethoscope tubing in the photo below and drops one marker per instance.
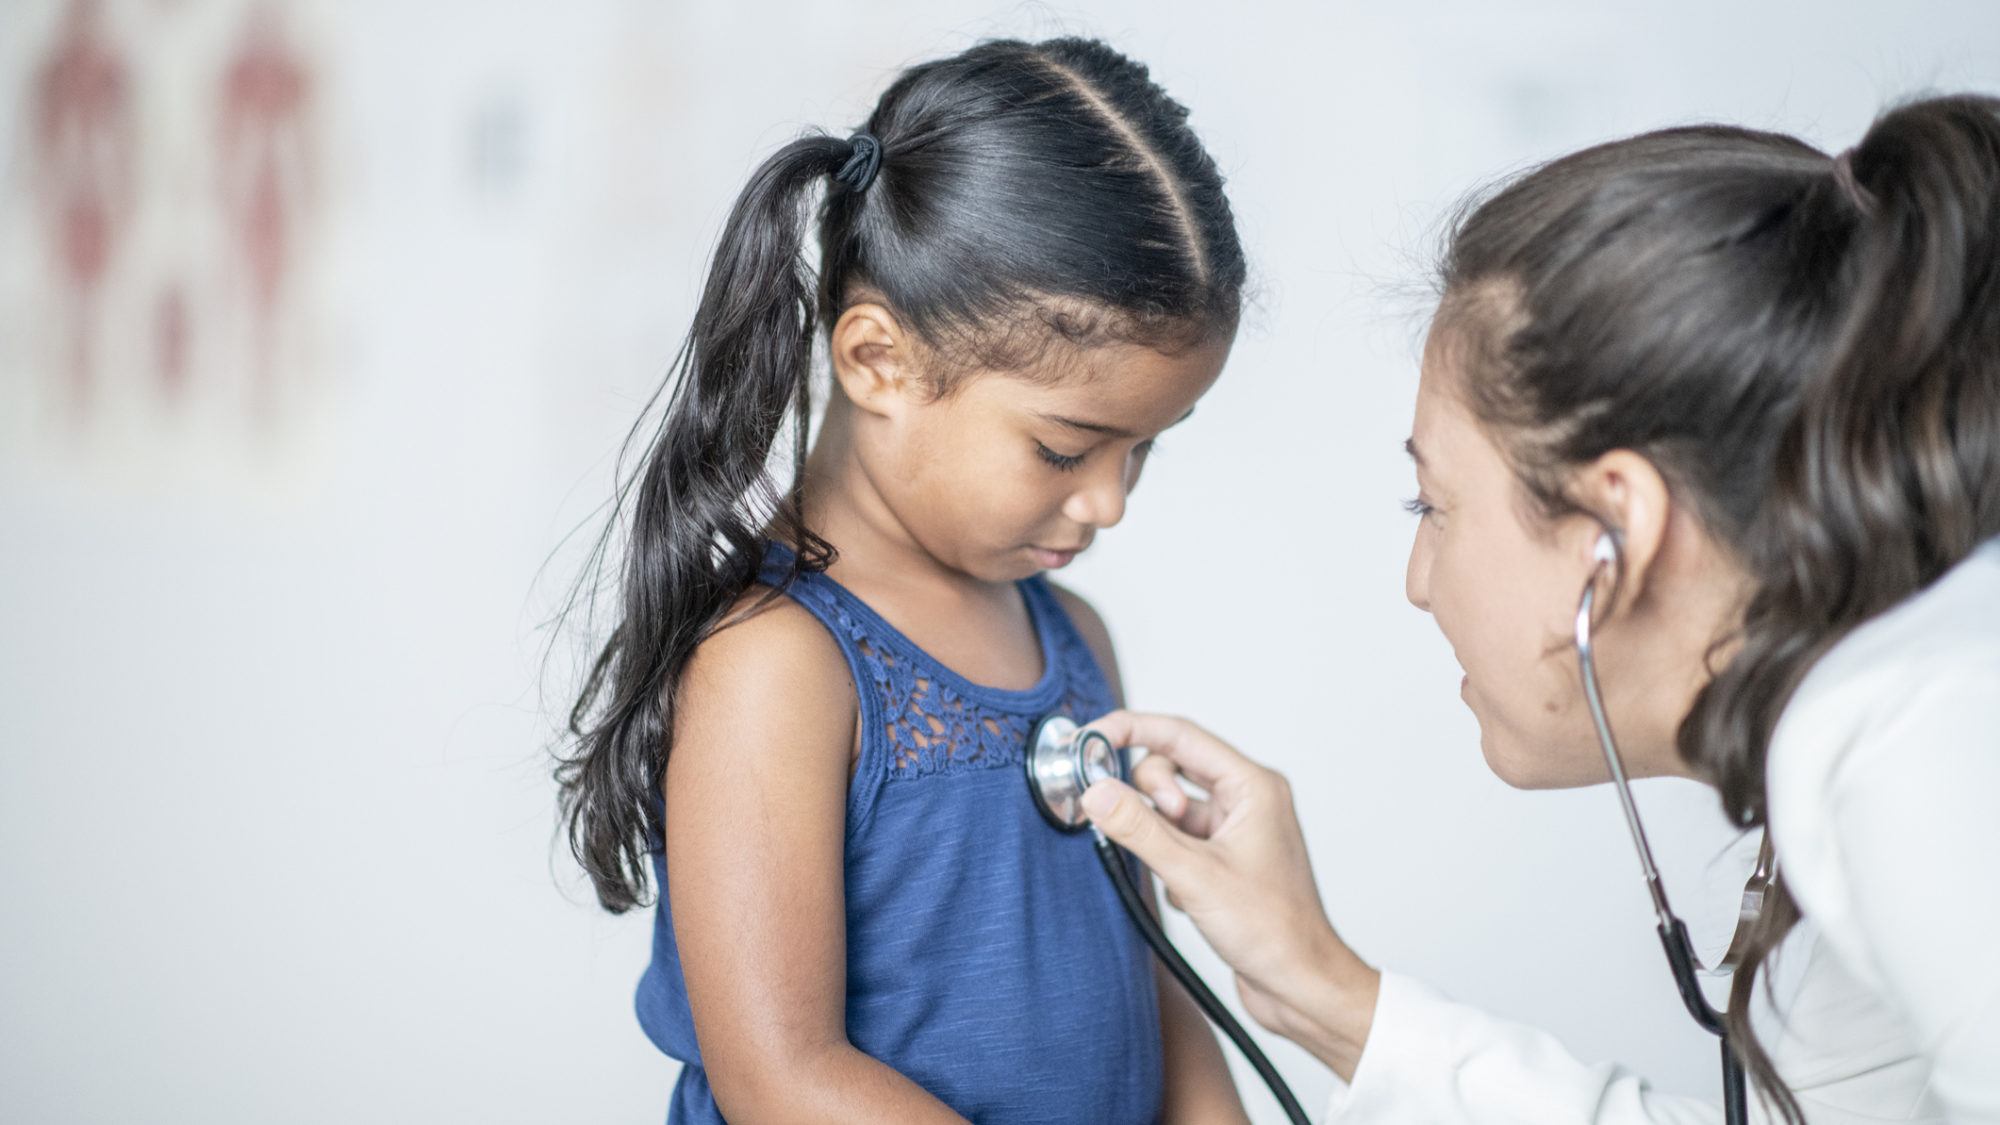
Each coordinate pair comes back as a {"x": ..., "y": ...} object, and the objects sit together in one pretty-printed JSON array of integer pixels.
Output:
[
  {"x": 1113, "y": 859},
  {"x": 1068, "y": 774}
]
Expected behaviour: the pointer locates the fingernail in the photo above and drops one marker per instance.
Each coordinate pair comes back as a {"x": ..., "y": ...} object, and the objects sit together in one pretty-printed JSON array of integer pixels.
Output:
[{"x": 1098, "y": 799}]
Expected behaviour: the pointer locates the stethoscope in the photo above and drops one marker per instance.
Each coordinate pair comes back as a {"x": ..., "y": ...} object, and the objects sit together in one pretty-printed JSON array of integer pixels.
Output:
[
  {"x": 1673, "y": 933},
  {"x": 1062, "y": 762}
]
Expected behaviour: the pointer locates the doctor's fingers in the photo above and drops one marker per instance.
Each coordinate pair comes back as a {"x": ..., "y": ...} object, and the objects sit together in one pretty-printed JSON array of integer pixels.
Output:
[
  {"x": 1207, "y": 760},
  {"x": 1158, "y": 778},
  {"x": 1115, "y": 808}
]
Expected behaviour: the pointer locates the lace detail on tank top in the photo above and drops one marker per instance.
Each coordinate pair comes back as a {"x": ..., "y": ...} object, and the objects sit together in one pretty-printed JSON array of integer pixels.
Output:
[
  {"x": 929, "y": 726},
  {"x": 932, "y": 728}
]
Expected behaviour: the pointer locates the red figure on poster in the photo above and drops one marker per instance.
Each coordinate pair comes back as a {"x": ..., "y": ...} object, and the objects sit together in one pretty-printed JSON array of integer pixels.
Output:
[
  {"x": 266, "y": 167},
  {"x": 84, "y": 147},
  {"x": 170, "y": 339}
]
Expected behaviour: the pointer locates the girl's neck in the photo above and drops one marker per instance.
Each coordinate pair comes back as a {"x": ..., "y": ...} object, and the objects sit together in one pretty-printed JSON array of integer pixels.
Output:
[{"x": 844, "y": 507}]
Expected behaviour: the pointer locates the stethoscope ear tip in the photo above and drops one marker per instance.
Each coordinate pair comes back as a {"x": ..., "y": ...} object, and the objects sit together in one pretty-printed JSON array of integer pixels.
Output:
[{"x": 1605, "y": 550}]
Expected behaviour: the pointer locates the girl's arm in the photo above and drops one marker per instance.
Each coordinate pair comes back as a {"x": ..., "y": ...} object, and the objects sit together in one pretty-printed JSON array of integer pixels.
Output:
[
  {"x": 756, "y": 798},
  {"x": 1199, "y": 1087}
]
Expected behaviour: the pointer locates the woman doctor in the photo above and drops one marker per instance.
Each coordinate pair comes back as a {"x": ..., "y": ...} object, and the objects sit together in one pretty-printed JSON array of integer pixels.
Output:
[{"x": 1749, "y": 395}]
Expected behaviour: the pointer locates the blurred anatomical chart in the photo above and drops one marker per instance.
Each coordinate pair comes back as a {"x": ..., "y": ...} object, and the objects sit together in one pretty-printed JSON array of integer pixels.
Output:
[{"x": 163, "y": 284}]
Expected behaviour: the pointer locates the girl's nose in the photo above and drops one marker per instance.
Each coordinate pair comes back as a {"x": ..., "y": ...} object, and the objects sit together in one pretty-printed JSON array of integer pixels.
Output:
[{"x": 1101, "y": 503}]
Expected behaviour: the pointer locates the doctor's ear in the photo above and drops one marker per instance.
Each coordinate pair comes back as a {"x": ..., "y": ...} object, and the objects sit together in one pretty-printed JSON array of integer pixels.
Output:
[
  {"x": 1630, "y": 508},
  {"x": 875, "y": 360}
]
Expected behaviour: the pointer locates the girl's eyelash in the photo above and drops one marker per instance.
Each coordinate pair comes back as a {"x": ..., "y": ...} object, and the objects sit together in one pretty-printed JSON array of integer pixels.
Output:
[
  {"x": 1061, "y": 461},
  {"x": 1417, "y": 507}
]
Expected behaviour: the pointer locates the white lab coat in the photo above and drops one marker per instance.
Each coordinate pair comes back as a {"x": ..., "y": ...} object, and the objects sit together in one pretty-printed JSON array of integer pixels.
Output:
[{"x": 1884, "y": 779}]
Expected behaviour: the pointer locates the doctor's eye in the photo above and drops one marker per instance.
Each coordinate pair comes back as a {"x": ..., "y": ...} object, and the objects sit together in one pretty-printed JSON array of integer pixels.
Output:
[
  {"x": 1417, "y": 507},
  {"x": 1061, "y": 461}
]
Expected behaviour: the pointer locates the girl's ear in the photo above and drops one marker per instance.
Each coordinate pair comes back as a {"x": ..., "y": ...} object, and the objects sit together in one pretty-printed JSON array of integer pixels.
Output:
[
  {"x": 874, "y": 359},
  {"x": 1629, "y": 493}
]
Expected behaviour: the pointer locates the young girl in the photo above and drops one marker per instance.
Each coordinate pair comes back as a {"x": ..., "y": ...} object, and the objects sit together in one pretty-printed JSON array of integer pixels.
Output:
[{"x": 1028, "y": 271}]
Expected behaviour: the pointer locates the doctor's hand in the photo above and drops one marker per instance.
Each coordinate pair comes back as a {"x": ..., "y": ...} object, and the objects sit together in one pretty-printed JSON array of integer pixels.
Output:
[{"x": 1236, "y": 864}]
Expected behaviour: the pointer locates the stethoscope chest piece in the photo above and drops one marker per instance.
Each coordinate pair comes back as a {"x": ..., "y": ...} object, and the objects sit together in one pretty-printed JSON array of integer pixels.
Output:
[{"x": 1062, "y": 761}]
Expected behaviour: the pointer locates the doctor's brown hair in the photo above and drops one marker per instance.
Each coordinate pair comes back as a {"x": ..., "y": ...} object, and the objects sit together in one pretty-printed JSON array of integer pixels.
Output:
[{"x": 1807, "y": 347}]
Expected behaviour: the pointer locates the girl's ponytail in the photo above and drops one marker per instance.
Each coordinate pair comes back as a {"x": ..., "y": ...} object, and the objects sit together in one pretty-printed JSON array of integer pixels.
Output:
[
  {"x": 1889, "y": 473},
  {"x": 698, "y": 521}
]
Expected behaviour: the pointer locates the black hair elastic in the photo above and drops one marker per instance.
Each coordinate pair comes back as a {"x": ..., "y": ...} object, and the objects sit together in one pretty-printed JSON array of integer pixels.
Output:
[{"x": 864, "y": 159}]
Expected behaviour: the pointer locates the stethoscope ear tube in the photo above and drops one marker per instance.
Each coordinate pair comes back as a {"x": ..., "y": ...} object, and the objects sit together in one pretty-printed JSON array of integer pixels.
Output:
[
  {"x": 1113, "y": 859},
  {"x": 1673, "y": 933}
]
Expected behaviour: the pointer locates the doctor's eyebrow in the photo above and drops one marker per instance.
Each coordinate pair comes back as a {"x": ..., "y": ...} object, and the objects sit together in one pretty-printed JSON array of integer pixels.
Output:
[{"x": 1100, "y": 427}]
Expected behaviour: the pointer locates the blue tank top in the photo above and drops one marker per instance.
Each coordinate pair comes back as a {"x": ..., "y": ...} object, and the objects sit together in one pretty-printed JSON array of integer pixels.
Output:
[{"x": 988, "y": 958}]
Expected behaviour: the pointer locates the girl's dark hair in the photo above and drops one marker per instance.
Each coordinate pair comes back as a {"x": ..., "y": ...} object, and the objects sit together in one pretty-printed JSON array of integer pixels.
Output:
[
  {"x": 1807, "y": 347},
  {"x": 1029, "y": 195}
]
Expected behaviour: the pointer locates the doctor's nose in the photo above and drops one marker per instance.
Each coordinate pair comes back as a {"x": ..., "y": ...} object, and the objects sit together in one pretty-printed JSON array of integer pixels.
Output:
[{"x": 1417, "y": 578}]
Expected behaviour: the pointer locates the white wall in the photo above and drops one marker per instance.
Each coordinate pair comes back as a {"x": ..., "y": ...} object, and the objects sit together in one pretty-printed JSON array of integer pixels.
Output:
[{"x": 275, "y": 828}]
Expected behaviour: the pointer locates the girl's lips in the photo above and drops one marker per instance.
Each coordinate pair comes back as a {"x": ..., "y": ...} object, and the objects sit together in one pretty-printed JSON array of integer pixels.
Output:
[{"x": 1052, "y": 560}]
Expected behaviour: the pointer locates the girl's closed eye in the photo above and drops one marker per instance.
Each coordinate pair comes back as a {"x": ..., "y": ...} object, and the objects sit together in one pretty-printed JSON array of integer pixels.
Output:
[
  {"x": 1066, "y": 462},
  {"x": 1418, "y": 507},
  {"x": 1062, "y": 461}
]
